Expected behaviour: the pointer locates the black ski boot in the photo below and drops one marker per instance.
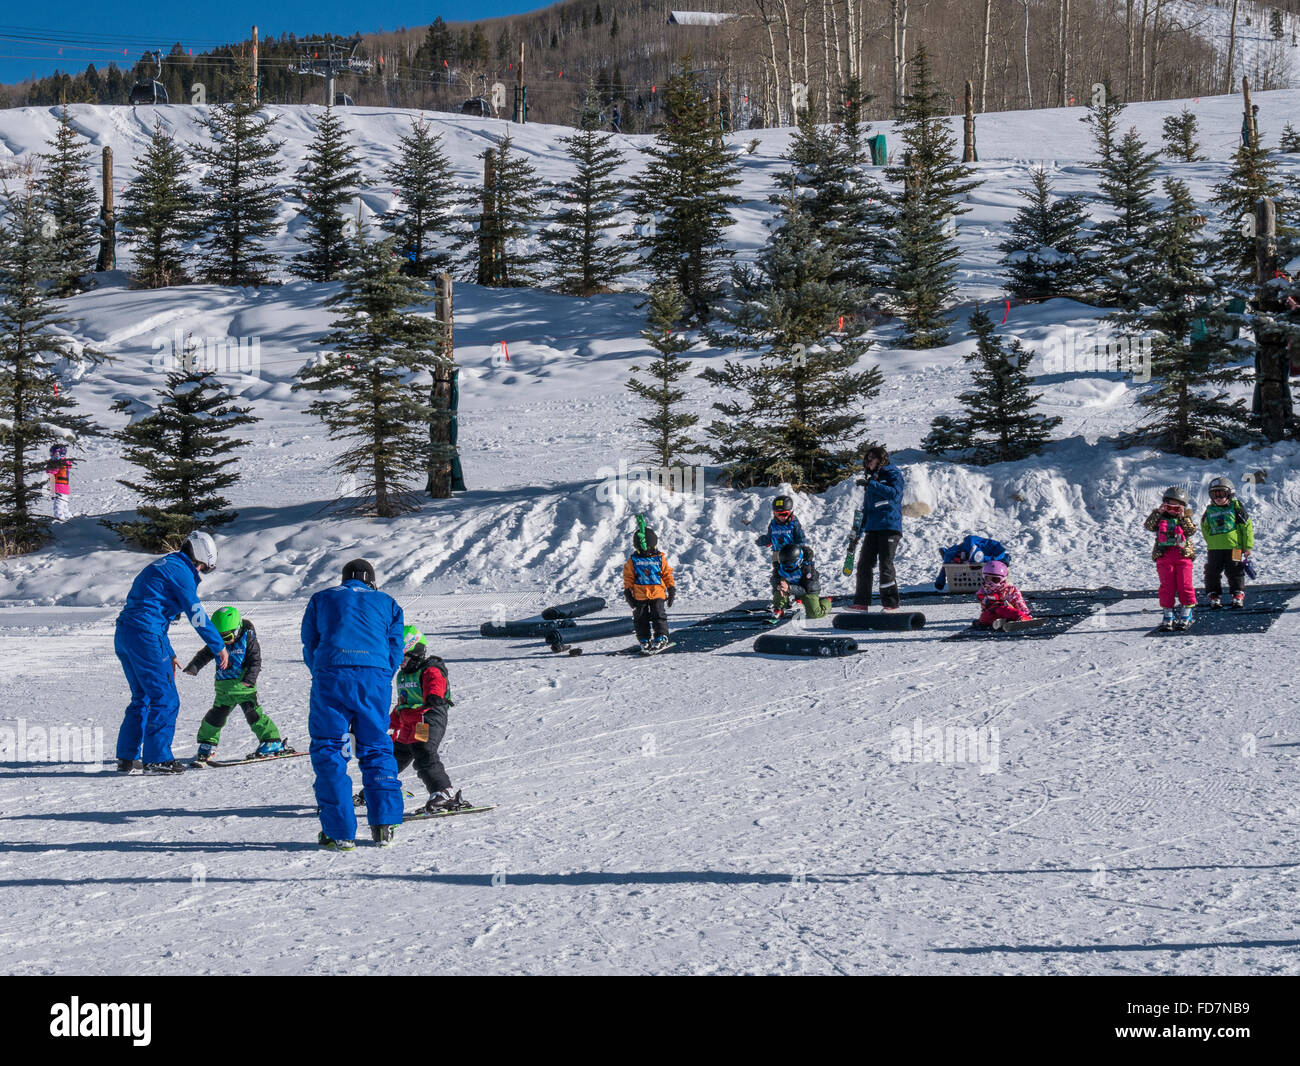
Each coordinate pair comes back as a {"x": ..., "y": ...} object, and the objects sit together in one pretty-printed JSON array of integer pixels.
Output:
[
  {"x": 382, "y": 835},
  {"x": 173, "y": 767}
]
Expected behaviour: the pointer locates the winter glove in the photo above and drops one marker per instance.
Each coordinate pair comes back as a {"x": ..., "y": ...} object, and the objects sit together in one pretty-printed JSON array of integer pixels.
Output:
[
  {"x": 672, "y": 594},
  {"x": 631, "y": 599},
  {"x": 764, "y": 540},
  {"x": 191, "y": 671}
]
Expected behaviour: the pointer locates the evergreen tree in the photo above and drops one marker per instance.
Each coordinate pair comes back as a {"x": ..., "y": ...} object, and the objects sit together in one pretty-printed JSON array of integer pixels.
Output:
[
  {"x": 1102, "y": 120},
  {"x": 1180, "y": 137},
  {"x": 666, "y": 426},
  {"x": 800, "y": 405},
  {"x": 242, "y": 197},
  {"x": 1190, "y": 411},
  {"x": 932, "y": 181},
  {"x": 1290, "y": 139},
  {"x": 328, "y": 183},
  {"x": 427, "y": 197},
  {"x": 1047, "y": 252},
  {"x": 160, "y": 213},
  {"x": 500, "y": 250},
  {"x": 34, "y": 411},
  {"x": 613, "y": 25},
  {"x": 584, "y": 261},
  {"x": 1254, "y": 175},
  {"x": 683, "y": 198},
  {"x": 438, "y": 43},
  {"x": 1124, "y": 242},
  {"x": 1000, "y": 424},
  {"x": 846, "y": 208},
  {"x": 72, "y": 207},
  {"x": 382, "y": 358},
  {"x": 183, "y": 449}
]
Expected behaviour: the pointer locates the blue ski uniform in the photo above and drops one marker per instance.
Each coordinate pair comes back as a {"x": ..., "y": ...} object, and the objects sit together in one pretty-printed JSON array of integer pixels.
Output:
[
  {"x": 163, "y": 591},
  {"x": 352, "y": 644}
]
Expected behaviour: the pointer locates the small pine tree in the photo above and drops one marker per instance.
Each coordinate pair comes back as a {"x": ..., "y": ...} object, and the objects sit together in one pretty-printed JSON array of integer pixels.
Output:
[
  {"x": 933, "y": 181},
  {"x": 1124, "y": 241},
  {"x": 1191, "y": 413},
  {"x": 183, "y": 448},
  {"x": 370, "y": 381},
  {"x": 1180, "y": 137},
  {"x": 241, "y": 200},
  {"x": 500, "y": 252},
  {"x": 800, "y": 405},
  {"x": 1290, "y": 139},
  {"x": 683, "y": 200},
  {"x": 584, "y": 261},
  {"x": 72, "y": 206},
  {"x": 34, "y": 411},
  {"x": 328, "y": 183},
  {"x": 666, "y": 426},
  {"x": 1047, "y": 252},
  {"x": 1000, "y": 424},
  {"x": 160, "y": 213},
  {"x": 427, "y": 197},
  {"x": 1253, "y": 176},
  {"x": 1102, "y": 120}
]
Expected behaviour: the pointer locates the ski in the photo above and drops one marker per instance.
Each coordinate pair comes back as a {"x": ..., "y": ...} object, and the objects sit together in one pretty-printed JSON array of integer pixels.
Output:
[{"x": 1020, "y": 626}]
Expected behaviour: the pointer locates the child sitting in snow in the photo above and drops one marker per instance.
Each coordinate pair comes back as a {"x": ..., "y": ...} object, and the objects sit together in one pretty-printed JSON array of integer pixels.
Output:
[
  {"x": 1000, "y": 601},
  {"x": 794, "y": 577}
]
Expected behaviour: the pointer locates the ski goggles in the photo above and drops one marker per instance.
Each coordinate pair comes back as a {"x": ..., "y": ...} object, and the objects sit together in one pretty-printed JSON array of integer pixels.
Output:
[
  {"x": 782, "y": 516},
  {"x": 1217, "y": 493},
  {"x": 994, "y": 580}
]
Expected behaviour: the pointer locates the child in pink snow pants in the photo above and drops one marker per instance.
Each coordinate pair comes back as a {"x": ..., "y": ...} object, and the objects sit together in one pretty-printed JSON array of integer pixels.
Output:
[{"x": 1173, "y": 553}]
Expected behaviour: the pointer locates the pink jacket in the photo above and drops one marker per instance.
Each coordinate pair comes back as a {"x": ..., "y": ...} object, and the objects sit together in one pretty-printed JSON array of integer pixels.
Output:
[{"x": 1006, "y": 596}]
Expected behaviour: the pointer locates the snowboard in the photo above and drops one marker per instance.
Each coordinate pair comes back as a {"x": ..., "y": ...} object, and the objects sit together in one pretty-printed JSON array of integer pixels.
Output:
[
  {"x": 421, "y": 815},
  {"x": 250, "y": 758},
  {"x": 1020, "y": 627}
]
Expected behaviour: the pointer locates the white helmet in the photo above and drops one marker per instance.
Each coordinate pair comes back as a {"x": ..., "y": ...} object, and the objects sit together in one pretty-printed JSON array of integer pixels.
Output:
[{"x": 202, "y": 549}]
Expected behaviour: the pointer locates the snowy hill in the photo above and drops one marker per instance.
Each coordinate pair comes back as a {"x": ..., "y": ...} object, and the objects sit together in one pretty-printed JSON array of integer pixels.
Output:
[{"x": 705, "y": 812}]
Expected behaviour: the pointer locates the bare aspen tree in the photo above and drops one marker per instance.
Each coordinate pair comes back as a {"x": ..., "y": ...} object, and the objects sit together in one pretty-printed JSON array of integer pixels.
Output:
[
  {"x": 898, "y": 10},
  {"x": 1063, "y": 49},
  {"x": 1029, "y": 86},
  {"x": 1232, "y": 46},
  {"x": 984, "y": 61}
]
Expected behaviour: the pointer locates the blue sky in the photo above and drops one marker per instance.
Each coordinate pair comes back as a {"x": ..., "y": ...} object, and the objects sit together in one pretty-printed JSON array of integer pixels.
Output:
[{"x": 96, "y": 31}]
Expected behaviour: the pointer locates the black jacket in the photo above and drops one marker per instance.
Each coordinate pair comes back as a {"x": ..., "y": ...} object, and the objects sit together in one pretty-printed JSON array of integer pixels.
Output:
[{"x": 252, "y": 656}]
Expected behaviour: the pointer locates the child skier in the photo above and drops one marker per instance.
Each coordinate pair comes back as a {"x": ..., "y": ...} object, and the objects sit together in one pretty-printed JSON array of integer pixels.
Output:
[
  {"x": 794, "y": 577},
  {"x": 1229, "y": 538},
  {"x": 58, "y": 469},
  {"x": 783, "y": 529},
  {"x": 649, "y": 588},
  {"x": 236, "y": 687},
  {"x": 1000, "y": 601},
  {"x": 419, "y": 721},
  {"x": 1173, "y": 553}
]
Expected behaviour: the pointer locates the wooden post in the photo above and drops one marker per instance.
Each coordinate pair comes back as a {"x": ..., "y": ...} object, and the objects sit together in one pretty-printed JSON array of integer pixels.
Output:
[
  {"x": 107, "y": 226},
  {"x": 1248, "y": 120},
  {"x": 1272, "y": 400},
  {"x": 439, "y": 482},
  {"x": 257, "y": 96},
  {"x": 521, "y": 108},
  {"x": 968, "y": 154}
]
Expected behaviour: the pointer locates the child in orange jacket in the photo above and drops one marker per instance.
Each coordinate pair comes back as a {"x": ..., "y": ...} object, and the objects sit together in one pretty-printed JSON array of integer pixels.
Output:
[{"x": 649, "y": 588}]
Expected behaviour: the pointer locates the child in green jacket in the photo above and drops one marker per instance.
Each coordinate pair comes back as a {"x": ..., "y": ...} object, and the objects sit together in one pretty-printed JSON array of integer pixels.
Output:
[{"x": 1230, "y": 537}]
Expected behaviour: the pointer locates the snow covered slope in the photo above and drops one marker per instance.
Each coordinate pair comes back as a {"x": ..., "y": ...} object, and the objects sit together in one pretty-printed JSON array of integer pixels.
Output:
[{"x": 704, "y": 812}]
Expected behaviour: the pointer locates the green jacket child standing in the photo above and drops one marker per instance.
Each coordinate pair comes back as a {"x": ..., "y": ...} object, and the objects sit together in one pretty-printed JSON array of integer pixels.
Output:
[
  {"x": 236, "y": 687},
  {"x": 1230, "y": 537}
]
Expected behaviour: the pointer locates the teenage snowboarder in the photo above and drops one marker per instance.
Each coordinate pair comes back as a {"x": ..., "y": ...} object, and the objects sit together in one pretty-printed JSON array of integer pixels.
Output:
[
  {"x": 58, "y": 469},
  {"x": 418, "y": 722},
  {"x": 236, "y": 686},
  {"x": 1229, "y": 539},
  {"x": 164, "y": 590},
  {"x": 879, "y": 523},
  {"x": 1173, "y": 553},
  {"x": 649, "y": 588},
  {"x": 795, "y": 578},
  {"x": 352, "y": 644},
  {"x": 1000, "y": 601}
]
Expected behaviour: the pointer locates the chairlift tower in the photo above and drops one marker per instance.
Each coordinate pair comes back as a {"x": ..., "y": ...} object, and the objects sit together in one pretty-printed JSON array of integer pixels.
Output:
[{"x": 328, "y": 59}]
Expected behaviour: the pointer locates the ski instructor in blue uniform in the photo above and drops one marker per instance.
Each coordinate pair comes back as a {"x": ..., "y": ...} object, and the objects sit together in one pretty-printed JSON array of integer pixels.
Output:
[
  {"x": 163, "y": 591},
  {"x": 352, "y": 644}
]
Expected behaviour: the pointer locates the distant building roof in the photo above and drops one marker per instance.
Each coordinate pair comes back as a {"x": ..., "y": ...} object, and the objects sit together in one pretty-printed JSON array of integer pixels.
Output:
[{"x": 698, "y": 18}]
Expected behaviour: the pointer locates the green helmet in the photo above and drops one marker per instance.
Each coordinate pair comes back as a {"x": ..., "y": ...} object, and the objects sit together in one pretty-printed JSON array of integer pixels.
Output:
[
  {"x": 227, "y": 620},
  {"x": 412, "y": 638}
]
